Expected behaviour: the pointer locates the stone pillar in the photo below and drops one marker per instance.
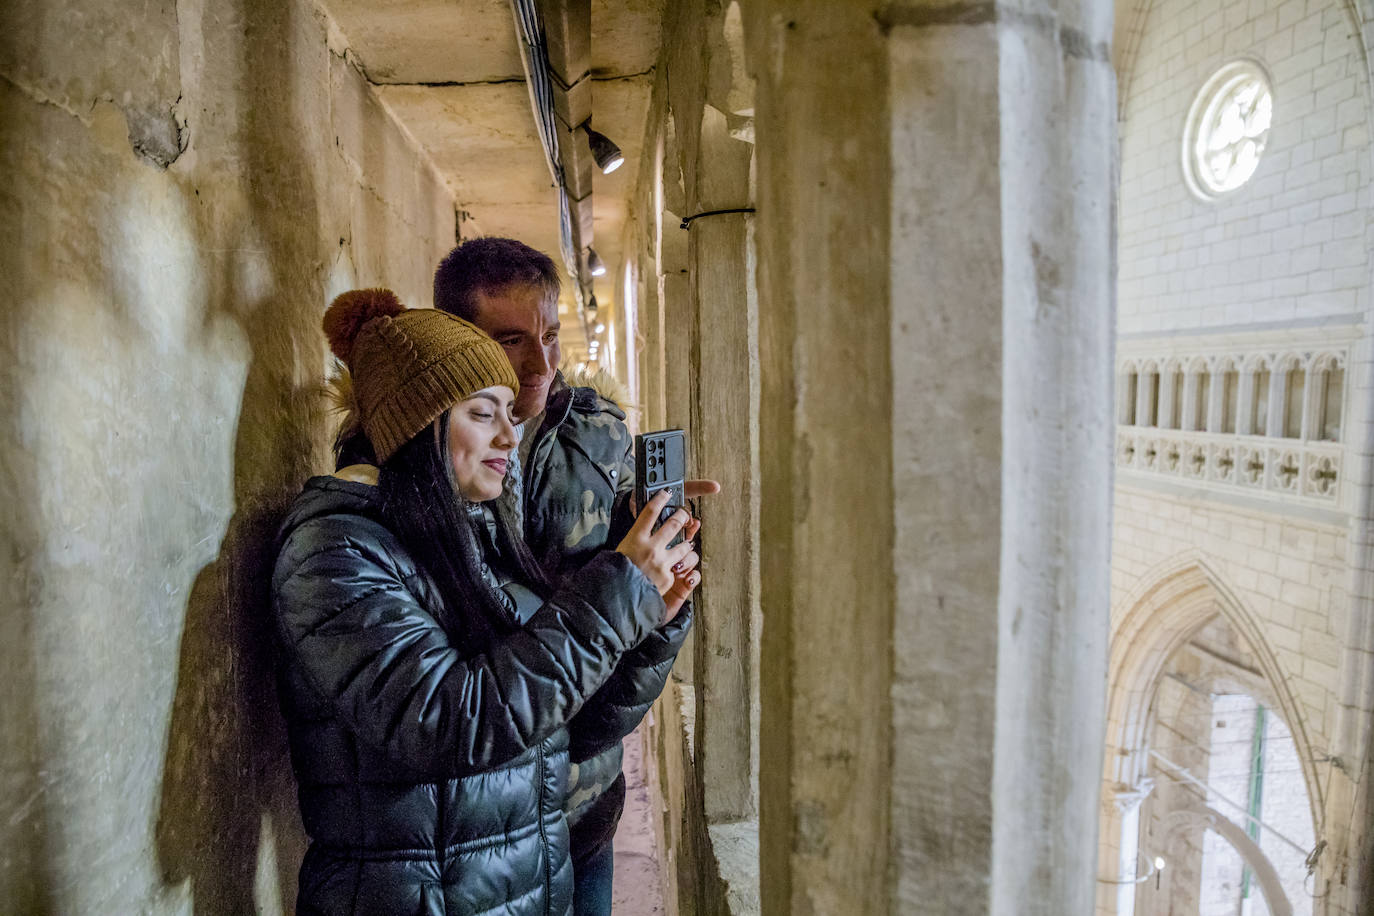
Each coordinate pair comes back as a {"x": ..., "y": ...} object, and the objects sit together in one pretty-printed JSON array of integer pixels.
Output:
[
  {"x": 1278, "y": 403},
  {"x": 1346, "y": 869},
  {"x": 651, "y": 318},
  {"x": 675, "y": 296},
  {"x": 650, "y": 326},
  {"x": 1191, "y": 380},
  {"x": 1127, "y": 803},
  {"x": 1216, "y": 398},
  {"x": 1123, "y": 399},
  {"x": 1167, "y": 380},
  {"x": 1245, "y": 402},
  {"x": 1145, "y": 411},
  {"x": 727, "y": 447},
  {"x": 935, "y": 232},
  {"x": 1058, "y": 225}
]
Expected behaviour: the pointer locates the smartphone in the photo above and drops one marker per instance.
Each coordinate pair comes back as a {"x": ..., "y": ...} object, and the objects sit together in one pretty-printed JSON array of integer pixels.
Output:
[{"x": 661, "y": 464}]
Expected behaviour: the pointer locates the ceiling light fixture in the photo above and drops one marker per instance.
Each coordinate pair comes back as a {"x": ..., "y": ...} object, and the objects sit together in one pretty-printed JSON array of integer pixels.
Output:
[
  {"x": 600, "y": 326},
  {"x": 594, "y": 263},
  {"x": 607, "y": 155}
]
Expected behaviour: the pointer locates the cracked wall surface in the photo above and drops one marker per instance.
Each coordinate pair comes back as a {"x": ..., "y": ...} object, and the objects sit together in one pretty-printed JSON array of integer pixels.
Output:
[
  {"x": 185, "y": 187},
  {"x": 76, "y": 54}
]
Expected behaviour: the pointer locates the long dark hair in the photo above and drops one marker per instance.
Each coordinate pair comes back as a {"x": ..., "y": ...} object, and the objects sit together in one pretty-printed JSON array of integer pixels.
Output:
[{"x": 422, "y": 504}]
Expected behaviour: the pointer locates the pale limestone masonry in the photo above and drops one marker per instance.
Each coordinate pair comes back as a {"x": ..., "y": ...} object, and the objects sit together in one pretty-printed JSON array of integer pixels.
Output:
[
  {"x": 1272, "y": 276},
  {"x": 1290, "y": 574},
  {"x": 1292, "y": 243}
]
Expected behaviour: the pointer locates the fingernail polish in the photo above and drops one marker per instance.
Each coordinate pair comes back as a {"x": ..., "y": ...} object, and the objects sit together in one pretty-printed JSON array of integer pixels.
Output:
[{"x": 677, "y": 567}]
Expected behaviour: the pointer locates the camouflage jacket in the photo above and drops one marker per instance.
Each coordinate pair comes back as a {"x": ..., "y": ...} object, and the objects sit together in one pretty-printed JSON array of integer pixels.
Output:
[{"x": 572, "y": 495}]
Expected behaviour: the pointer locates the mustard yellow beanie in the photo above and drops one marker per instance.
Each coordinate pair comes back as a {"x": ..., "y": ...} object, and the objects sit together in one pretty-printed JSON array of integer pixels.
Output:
[{"x": 409, "y": 365}]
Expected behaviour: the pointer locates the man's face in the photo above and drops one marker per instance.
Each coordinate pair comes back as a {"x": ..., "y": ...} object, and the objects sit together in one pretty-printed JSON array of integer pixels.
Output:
[{"x": 526, "y": 326}]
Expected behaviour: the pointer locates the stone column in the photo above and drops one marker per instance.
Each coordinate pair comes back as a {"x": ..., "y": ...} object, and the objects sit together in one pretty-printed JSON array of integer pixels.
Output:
[
  {"x": 1167, "y": 380},
  {"x": 650, "y": 327},
  {"x": 1346, "y": 869},
  {"x": 935, "y": 243},
  {"x": 1191, "y": 380},
  {"x": 1278, "y": 403},
  {"x": 1245, "y": 405},
  {"x": 1057, "y": 97},
  {"x": 1145, "y": 399},
  {"x": 1123, "y": 399},
  {"x": 1127, "y": 803},
  {"x": 727, "y": 446},
  {"x": 675, "y": 296},
  {"x": 1216, "y": 398}
]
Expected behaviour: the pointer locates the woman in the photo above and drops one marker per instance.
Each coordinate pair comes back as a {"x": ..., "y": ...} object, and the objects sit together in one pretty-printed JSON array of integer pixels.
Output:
[{"x": 428, "y": 670}]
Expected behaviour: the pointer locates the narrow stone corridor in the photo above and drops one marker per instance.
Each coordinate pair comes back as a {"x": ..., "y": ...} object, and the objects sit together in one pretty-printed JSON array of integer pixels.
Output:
[{"x": 1032, "y": 343}]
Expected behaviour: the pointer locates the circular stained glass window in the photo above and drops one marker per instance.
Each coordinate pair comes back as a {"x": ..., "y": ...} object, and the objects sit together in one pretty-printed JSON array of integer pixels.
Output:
[{"x": 1228, "y": 127}]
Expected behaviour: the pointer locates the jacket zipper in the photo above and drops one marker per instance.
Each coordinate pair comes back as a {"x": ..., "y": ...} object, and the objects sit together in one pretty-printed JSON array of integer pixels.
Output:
[
  {"x": 543, "y": 834},
  {"x": 440, "y": 832}
]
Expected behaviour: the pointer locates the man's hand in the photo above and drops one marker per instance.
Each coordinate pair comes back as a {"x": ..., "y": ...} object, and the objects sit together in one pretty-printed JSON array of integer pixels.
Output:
[
  {"x": 695, "y": 488},
  {"x": 691, "y": 489}
]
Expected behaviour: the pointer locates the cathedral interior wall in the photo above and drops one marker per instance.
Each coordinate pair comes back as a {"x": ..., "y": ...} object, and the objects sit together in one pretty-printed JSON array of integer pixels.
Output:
[{"x": 1291, "y": 244}]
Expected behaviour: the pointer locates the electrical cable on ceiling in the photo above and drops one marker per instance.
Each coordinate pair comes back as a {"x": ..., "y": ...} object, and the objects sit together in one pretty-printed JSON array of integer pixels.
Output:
[{"x": 534, "y": 55}]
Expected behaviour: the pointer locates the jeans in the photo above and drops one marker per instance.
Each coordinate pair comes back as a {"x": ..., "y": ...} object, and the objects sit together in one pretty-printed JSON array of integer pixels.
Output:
[{"x": 592, "y": 884}]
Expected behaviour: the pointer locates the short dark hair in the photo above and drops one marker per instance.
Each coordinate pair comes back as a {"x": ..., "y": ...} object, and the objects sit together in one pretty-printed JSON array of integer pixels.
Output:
[{"x": 490, "y": 265}]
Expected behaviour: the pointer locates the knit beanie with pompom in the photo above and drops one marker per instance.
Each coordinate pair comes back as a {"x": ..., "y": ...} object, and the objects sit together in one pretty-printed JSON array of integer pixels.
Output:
[{"x": 409, "y": 365}]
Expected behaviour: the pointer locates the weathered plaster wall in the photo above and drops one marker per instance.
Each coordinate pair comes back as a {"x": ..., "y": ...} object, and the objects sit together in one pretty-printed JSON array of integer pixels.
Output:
[{"x": 185, "y": 186}]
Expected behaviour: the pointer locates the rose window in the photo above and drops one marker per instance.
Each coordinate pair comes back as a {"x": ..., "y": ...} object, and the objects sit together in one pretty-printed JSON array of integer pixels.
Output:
[{"x": 1228, "y": 129}]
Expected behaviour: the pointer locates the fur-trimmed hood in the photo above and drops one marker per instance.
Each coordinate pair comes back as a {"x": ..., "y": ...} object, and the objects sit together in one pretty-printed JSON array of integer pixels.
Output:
[{"x": 602, "y": 382}]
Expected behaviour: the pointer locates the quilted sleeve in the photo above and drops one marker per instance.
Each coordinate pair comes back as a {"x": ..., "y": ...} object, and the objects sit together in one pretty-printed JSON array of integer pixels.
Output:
[
  {"x": 618, "y": 707},
  {"x": 352, "y": 624}
]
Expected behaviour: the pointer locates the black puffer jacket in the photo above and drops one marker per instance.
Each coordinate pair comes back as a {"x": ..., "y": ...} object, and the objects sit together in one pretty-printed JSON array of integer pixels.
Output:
[{"x": 432, "y": 779}]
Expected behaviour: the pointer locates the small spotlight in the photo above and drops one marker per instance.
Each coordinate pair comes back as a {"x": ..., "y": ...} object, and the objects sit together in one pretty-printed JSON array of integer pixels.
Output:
[
  {"x": 607, "y": 154},
  {"x": 594, "y": 263},
  {"x": 1160, "y": 863},
  {"x": 600, "y": 326}
]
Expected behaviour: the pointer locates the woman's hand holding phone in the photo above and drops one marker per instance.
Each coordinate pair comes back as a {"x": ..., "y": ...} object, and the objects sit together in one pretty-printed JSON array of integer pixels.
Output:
[{"x": 672, "y": 569}]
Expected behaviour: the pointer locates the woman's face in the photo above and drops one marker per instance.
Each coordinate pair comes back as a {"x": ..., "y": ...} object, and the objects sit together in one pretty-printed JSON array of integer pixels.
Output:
[{"x": 481, "y": 435}]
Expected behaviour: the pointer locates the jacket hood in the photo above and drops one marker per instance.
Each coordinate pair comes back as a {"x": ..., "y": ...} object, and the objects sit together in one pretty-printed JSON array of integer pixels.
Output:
[
  {"x": 332, "y": 496},
  {"x": 602, "y": 382}
]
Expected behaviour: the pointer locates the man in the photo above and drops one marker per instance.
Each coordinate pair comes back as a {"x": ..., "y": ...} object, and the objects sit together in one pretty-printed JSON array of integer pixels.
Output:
[{"x": 572, "y": 491}]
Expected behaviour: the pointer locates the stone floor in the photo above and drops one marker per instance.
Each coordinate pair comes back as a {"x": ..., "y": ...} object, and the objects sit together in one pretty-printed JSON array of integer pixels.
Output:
[{"x": 638, "y": 888}]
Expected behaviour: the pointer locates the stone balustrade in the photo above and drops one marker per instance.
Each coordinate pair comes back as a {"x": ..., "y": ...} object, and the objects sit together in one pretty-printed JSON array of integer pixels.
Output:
[
  {"x": 1260, "y": 413},
  {"x": 1286, "y": 468}
]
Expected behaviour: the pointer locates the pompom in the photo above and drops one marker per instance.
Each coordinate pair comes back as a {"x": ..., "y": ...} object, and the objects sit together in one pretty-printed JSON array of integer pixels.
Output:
[{"x": 348, "y": 313}]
